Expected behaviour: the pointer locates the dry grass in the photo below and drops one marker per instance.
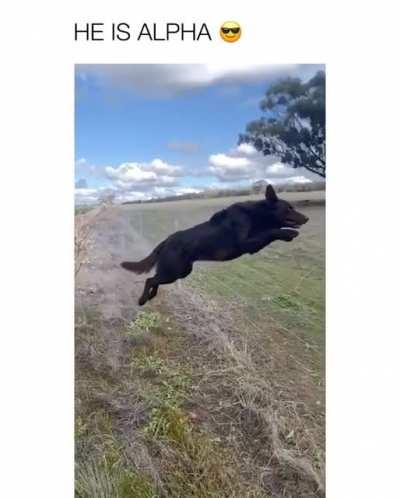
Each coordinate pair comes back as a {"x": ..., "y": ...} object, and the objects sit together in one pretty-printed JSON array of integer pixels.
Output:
[
  {"x": 210, "y": 423},
  {"x": 84, "y": 226},
  {"x": 257, "y": 407},
  {"x": 200, "y": 395},
  {"x": 213, "y": 422},
  {"x": 134, "y": 433}
]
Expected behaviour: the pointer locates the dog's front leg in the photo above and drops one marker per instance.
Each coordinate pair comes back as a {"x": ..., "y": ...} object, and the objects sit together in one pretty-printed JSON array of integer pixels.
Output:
[{"x": 255, "y": 244}]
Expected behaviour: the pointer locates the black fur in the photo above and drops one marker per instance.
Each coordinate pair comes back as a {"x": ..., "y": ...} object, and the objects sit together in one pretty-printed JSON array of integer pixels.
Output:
[{"x": 242, "y": 228}]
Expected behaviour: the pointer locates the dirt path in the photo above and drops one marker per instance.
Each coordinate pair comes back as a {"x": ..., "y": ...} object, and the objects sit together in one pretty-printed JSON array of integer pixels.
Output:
[{"x": 101, "y": 282}]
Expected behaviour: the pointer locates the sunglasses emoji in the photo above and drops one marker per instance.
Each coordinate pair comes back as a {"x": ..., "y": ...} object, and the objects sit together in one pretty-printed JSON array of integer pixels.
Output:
[{"x": 230, "y": 31}]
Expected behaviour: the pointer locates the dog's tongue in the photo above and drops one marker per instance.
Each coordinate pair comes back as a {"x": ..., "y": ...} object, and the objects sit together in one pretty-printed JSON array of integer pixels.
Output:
[{"x": 291, "y": 225}]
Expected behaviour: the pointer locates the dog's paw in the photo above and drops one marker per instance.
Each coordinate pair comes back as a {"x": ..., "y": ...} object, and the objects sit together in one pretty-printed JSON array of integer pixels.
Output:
[{"x": 288, "y": 234}]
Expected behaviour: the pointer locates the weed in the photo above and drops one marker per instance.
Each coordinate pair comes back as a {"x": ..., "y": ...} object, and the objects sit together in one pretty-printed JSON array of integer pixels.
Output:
[
  {"x": 171, "y": 382},
  {"x": 145, "y": 321},
  {"x": 286, "y": 301},
  {"x": 167, "y": 423},
  {"x": 149, "y": 364}
]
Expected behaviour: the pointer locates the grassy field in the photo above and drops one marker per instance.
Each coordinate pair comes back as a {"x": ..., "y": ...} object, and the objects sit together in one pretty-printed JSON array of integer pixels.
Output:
[{"x": 216, "y": 388}]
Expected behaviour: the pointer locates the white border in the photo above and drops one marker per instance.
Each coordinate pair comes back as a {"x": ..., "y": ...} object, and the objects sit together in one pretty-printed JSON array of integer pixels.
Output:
[{"x": 357, "y": 41}]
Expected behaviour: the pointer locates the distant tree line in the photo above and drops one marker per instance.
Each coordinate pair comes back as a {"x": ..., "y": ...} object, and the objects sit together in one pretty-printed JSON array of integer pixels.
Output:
[{"x": 256, "y": 188}]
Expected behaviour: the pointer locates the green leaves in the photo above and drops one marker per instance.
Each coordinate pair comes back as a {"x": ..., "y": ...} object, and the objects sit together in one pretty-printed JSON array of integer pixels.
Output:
[{"x": 293, "y": 127}]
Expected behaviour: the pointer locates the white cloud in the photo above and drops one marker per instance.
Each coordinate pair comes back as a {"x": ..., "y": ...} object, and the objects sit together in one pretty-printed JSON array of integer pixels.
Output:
[
  {"x": 162, "y": 167},
  {"x": 168, "y": 191},
  {"x": 86, "y": 195},
  {"x": 244, "y": 162},
  {"x": 133, "y": 175},
  {"x": 280, "y": 170},
  {"x": 227, "y": 168},
  {"x": 299, "y": 179},
  {"x": 246, "y": 149},
  {"x": 186, "y": 190},
  {"x": 240, "y": 163},
  {"x": 131, "y": 196},
  {"x": 133, "y": 181},
  {"x": 130, "y": 173},
  {"x": 229, "y": 162},
  {"x": 164, "y": 80},
  {"x": 93, "y": 196}
]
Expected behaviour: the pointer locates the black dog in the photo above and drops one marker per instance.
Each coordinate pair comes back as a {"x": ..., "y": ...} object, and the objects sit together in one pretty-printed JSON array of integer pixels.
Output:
[{"x": 244, "y": 227}]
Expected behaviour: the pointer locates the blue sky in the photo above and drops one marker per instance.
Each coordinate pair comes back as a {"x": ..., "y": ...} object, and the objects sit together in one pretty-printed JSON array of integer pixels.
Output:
[{"x": 151, "y": 130}]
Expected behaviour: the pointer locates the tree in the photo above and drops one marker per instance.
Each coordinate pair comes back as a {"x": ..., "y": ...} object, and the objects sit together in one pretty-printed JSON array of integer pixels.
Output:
[{"x": 293, "y": 127}]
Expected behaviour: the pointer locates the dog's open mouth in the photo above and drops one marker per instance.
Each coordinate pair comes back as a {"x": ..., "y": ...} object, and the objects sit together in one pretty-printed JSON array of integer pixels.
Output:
[{"x": 290, "y": 224}]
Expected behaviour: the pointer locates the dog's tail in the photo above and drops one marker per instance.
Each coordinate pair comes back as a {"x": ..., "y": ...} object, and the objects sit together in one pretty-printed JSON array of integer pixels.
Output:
[{"x": 146, "y": 264}]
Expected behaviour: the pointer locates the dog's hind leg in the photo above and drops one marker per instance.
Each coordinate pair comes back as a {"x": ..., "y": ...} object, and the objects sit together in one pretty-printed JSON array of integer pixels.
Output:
[
  {"x": 153, "y": 291},
  {"x": 171, "y": 266},
  {"x": 167, "y": 276},
  {"x": 147, "y": 292},
  {"x": 152, "y": 284}
]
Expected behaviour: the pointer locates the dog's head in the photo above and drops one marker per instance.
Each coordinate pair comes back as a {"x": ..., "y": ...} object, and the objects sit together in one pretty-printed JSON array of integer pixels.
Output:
[{"x": 281, "y": 213}]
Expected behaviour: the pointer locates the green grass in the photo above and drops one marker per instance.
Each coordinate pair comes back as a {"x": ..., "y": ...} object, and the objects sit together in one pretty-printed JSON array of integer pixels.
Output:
[{"x": 268, "y": 287}]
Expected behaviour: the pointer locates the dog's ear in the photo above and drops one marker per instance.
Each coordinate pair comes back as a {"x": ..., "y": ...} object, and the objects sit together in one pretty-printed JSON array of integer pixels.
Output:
[{"x": 270, "y": 194}]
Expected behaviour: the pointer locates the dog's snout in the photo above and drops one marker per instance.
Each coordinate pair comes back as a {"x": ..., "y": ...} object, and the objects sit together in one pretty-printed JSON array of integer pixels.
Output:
[{"x": 306, "y": 218}]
